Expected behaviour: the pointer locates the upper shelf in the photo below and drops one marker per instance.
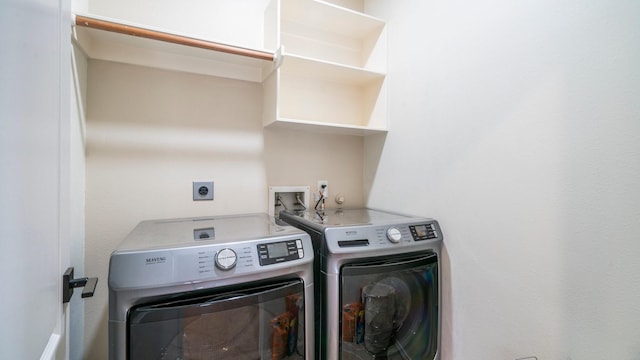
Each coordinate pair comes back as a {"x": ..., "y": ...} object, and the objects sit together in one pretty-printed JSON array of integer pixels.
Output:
[
  {"x": 321, "y": 30},
  {"x": 324, "y": 15},
  {"x": 114, "y": 40},
  {"x": 332, "y": 77}
]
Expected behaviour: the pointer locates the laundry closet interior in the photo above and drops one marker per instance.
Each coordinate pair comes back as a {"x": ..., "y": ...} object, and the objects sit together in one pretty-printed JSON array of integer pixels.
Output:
[
  {"x": 160, "y": 115},
  {"x": 514, "y": 125}
]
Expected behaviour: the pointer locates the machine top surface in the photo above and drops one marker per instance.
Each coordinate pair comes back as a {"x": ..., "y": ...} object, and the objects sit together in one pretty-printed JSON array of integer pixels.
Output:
[
  {"x": 192, "y": 232},
  {"x": 163, "y": 253},
  {"x": 349, "y": 217}
]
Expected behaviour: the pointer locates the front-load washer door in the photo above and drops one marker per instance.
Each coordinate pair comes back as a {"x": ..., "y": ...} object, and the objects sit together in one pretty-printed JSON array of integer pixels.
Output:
[
  {"x": 389, "y": 309},
  {"x": 261, "y": 322}
]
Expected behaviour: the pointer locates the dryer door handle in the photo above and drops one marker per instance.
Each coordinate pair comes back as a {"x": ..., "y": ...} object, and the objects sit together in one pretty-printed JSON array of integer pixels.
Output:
[{"x": 383, "y": 267}]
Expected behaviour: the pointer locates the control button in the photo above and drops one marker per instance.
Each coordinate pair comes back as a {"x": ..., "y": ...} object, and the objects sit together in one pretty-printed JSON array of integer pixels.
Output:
[
  {"x": 299, "y": 243},
  {"x": 226, "y": 259},
  {"x": 394, "y": 235},
  {"x": 300, "y": 253}
]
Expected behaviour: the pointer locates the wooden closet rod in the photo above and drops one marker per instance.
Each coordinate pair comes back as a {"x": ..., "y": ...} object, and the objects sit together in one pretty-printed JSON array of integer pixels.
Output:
[{"x": 94, "y": 23}]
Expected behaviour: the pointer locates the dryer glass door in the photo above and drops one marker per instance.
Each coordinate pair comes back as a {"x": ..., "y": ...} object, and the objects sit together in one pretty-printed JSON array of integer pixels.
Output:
[
  {"x": 262, "y": 322},
  {"x": 390, "y": 309}
]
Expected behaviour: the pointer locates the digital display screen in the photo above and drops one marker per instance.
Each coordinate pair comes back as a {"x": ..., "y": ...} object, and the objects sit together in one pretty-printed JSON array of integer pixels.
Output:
[
  {"x": 277, "y": 250},
  {"x": 421, "y": 230}
]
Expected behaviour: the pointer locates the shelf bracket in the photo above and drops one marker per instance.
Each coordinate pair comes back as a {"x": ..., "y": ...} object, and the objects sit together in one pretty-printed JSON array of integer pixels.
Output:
[{"x": 278, "y": 57}]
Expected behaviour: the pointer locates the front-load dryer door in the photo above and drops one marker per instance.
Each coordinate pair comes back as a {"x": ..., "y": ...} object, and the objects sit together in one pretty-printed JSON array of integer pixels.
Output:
[
  {"x": 260, "y": 322},
  {"x": 389, "y": 309}
]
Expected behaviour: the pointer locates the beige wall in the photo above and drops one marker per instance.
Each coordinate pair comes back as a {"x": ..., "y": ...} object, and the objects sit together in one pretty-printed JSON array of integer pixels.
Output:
[{"x": 151, "y": 132}]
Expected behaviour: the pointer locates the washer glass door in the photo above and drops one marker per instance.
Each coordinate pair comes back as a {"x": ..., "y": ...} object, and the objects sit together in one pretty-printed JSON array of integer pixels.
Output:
[
  {"x": 389, "y": 309},
  {"x": 261, "y": 322}
]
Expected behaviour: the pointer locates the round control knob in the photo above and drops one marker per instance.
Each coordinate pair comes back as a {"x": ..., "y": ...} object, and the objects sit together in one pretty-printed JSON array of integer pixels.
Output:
[
  {"x": 394, "y": 235},
  {"x": 226, "y": 259}
]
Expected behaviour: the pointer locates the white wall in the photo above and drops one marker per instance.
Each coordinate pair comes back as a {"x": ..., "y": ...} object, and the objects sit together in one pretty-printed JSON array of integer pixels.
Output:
[
  {"x": 517, "y": 125},
  {"x": 151, "y": 132}
]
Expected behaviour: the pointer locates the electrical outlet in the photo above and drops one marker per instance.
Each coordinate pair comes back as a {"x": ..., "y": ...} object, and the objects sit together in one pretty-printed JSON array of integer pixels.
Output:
[
  {"x": 323, "y": 188},
  {"x": 202, "y": 190}
]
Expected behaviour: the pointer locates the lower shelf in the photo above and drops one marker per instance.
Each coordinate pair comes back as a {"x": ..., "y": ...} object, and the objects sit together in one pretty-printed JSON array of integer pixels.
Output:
[
  {"x": 325, "y": 97},
  {"x": 326, "y": 128}
]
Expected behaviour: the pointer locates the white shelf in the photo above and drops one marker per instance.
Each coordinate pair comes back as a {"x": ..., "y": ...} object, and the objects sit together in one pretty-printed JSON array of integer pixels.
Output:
[
  {"x": 328, "y": 32},
  {"x": 301, "y": 66},
  {"x": 124, "y": 42},
  {"x": 329, "y": 17},
  {"x": 324, "y": 128},
  {"x": 332, "y": 77}
]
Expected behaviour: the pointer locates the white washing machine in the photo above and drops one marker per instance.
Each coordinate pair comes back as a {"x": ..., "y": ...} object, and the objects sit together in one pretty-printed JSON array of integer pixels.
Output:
[
  {"x": 228, "y": 287},
  {"x": 377, "y": 283}
]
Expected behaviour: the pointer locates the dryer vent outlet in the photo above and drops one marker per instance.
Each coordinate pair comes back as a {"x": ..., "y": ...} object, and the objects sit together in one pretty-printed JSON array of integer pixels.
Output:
[{"x": 202, "y": 190}]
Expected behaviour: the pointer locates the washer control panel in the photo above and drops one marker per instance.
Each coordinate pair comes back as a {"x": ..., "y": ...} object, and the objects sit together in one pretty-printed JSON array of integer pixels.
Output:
[
  {"x": 277, "y": 252},
  {"x": 394, "y": 235}
]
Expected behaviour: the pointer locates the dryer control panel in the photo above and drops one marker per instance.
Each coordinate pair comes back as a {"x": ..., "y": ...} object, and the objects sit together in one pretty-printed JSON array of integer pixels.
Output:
[
  {"x": 401, "y": 237},
  {"x": 423, "y": 232}
]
